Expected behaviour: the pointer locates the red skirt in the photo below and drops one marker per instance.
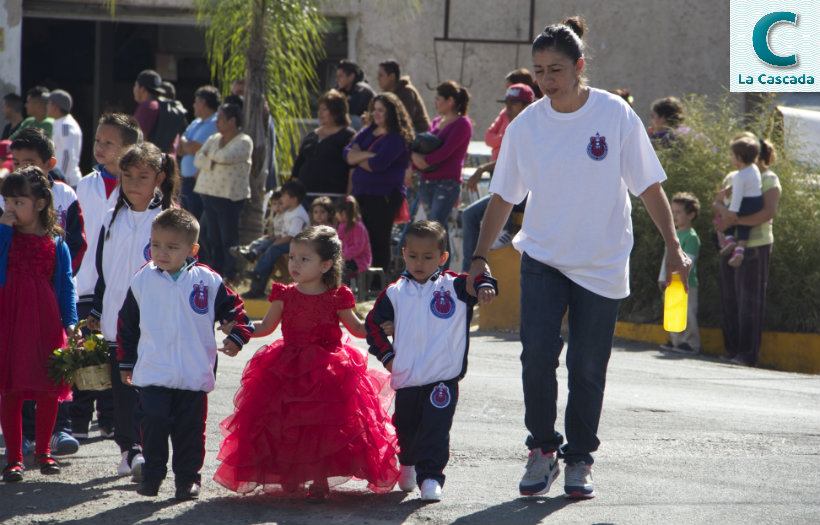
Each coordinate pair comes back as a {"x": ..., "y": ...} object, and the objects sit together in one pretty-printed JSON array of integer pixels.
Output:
[{"x": 305, "y": 412}]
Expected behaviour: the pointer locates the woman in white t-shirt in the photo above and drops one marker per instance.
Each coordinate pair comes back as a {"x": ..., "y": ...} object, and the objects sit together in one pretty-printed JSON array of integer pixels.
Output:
[{"x": 576, "y": 152}]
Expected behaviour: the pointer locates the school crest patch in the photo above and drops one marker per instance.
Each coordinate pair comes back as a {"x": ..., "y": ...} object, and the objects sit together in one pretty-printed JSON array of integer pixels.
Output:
[
  {"x": 597, "y": 148},
  {"x": 199, "y": 298},
  {"x": 440, "y": 396},
  {"x": 146, "y": 252},
  {"x": 443, "y": 306},
  {"x": 62, "y": 216}
]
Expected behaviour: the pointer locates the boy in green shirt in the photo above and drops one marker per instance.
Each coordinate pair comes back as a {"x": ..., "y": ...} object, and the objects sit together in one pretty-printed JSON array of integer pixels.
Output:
[
  {"x": 36, "y": 107},
  {"x": 685, "y": 208}
]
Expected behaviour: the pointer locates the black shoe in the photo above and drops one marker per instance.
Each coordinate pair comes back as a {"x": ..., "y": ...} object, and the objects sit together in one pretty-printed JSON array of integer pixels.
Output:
[
  {"x": 48, "y": 465},
  {"x": 13, "y": 472},
  {"x": 254, "y": 294},
  {"x": 149, "y": 487},
  {"x": 248, "y": 254},
  {"x": 187, "y": 491}
]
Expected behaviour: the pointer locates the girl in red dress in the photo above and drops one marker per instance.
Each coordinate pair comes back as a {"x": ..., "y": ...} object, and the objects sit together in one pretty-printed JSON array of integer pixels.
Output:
[
  {"x": 36, "y": 307},
  {"x": 308, "y": 409}
]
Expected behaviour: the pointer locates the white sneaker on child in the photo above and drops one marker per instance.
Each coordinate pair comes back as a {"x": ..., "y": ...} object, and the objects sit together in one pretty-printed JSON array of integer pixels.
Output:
[
  {"x": 430, "y": 490},
  {"x": 407, "y": 478},
  {"x": 124, "y": 469},
  {"x": 136, "y": 468}
]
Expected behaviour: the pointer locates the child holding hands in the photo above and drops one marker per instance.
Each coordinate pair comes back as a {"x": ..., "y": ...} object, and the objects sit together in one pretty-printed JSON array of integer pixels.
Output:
[
  {"x": 428, "y": 355},
  {"x": 168, "y": 349},
  {"x": 308, "y": 409}
]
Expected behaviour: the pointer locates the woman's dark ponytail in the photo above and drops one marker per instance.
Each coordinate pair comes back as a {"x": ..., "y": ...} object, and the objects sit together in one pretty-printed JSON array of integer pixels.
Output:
[
  {"x": 170, "y": 186},
  {"x": 564, "y": 38}
]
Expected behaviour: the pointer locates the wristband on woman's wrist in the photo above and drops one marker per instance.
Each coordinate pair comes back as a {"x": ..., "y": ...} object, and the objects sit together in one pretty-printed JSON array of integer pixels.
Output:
[{"x": 479, "y": 257}]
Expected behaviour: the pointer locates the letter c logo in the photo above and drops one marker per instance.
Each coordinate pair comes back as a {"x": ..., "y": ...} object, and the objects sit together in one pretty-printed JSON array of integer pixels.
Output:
[{"x": 760, "y": 38}]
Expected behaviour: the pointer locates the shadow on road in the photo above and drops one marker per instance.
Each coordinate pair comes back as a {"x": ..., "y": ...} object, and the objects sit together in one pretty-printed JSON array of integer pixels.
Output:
[{"x": 523, "y": 511}]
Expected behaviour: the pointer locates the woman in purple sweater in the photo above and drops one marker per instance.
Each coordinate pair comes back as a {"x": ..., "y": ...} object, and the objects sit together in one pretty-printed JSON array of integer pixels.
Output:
[
  {"x": 379, "y": 155},
  {"x": 441, "y": 170}
]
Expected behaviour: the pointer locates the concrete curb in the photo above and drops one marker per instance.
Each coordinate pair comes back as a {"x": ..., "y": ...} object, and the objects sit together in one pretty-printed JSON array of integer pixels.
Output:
[{"x": 784, "y": 351}]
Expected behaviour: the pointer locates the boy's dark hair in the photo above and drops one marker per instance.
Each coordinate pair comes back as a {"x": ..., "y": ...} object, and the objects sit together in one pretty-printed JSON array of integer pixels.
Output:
[
  {"x": 210, "y": 96},
  {"x": 180, "y": 221},
  {"x": 34, "y": 139},
  {"x": 130, "y": 131},
  {"x": 14, "y": 101},
  {"x": 294, "y": 188},
  {"x": 745, "y": 148},
  {"x": 325, "y": 202},
  {"x": 670, "y": 108},
  {"x": 31, "y": 182},
  {"x": 38, "y": 92},
  {"x": 235, "y": 100},
  {"x": 329, "y": 248},
  {"x": 277, "y": 194},
  {"x": 688, "y": 200},
  {"x": 427, "y": 229},
  {"x": 391, "y": 67}
]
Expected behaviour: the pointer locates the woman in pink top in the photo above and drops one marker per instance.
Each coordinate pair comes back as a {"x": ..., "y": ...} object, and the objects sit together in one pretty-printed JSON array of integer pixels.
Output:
[{"x": 441, "y": 170}]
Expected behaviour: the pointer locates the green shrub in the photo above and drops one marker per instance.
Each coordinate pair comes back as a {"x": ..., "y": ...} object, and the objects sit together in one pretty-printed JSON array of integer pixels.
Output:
[{"x": 697, "y": 163}]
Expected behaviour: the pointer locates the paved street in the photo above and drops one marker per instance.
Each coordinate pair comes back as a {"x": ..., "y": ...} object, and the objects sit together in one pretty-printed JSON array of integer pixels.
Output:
[{"x": 685, "y": 441}]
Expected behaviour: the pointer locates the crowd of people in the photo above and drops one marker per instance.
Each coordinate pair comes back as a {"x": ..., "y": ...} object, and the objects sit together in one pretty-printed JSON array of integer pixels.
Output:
[{"x": 123, "y": 248}]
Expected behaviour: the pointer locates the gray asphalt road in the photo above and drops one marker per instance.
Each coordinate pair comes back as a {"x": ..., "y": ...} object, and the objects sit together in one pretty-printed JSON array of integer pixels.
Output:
[{"x": 685, "y": 441}]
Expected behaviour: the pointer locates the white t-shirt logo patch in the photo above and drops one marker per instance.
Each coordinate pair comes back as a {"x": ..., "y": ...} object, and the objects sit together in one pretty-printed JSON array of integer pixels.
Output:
[{"x": 597, "y": 148}]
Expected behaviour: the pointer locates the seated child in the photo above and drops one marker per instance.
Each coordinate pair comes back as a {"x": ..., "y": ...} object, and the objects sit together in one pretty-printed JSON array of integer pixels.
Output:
[
  {"x": 355, "y": 240},
  {"x": 428, "y": 355},
  {"x": 274, "y": 228},
  {"x": 173, "y": 363},
  {"x": 296, "y": 219},
  {"x": 322, "y": 212},
  {"x": 747, "y": 198}
]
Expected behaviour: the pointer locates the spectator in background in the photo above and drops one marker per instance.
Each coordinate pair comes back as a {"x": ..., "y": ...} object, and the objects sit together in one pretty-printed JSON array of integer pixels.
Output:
[
  {"x": 67, "y": 136},
  {"x": 169, "y": 89},
  {"x": 13, "y": 112},
  {"x": 37, "y": 111},
  {"x": 625, "y": 94},
  {"x": 667, "y": 121},
  {"x": 350, "y": 81},
  {"x": 224, "y": 163},
  {"x": 494, "y": 134},
  {"x": 320, "y": 164},
  {"x": 440, "y": 186},
  {"x": 206, "y": 104},
  {"x": 147, "y": 90},
  {"x": 238, "y": 88},
  {"x": 390, "y": 79},
  {"x": 379, "y": 156}
]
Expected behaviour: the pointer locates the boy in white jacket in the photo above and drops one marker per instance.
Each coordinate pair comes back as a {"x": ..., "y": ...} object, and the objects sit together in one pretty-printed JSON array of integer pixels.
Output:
[
  {"x": 167, "y": 349},
  {"x": 430, "y": 313}
]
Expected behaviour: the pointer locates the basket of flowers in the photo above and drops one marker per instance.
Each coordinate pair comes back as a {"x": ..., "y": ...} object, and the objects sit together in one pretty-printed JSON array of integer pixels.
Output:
[{"x": 83, "y": 362}]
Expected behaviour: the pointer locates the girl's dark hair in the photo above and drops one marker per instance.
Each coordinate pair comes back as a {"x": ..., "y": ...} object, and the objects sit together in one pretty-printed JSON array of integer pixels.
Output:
[
  {"x": 147, "y": 154},
  {"x": 397, "y": 119},
  {"x": 350, "y": 206},
  {"x": 449, "y": 89},
  {"x": 768, "y": 155},
  {"x": 34, "y": 139},
  {"x": 524, "y": 76},
  {"x": 336, "y": 103},
  {"x": 232, "y": 111},
  {"x": 326, "y": 242},
  {"x": 564, "y": 38},
  {"x": 31, "y": 182},
  {"x": 130, "y": 131},
  {"x": 324, "y": 202},
  {"x": 670, "y": 108}
]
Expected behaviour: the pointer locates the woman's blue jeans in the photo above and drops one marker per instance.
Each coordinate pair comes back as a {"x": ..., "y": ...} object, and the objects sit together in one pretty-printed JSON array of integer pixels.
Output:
[
  {"x": 439, "y": 197},
  {"x": 546, "y": 294}
]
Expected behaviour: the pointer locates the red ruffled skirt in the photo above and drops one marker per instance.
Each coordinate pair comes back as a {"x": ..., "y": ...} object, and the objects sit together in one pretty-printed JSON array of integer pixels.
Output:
[{"x": 306, "y": 412}]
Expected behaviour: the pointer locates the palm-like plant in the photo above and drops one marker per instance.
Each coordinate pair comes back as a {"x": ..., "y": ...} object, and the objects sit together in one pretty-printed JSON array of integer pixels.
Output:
[{"x": 274, "y": 45}]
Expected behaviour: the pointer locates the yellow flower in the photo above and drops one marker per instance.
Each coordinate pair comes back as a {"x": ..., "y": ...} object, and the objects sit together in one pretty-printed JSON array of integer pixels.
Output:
[{"x": 90, "y": 344}]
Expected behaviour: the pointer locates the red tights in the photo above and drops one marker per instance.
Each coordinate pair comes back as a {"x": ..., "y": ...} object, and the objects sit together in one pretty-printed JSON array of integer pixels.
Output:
[{"x": 11, "y": 420}]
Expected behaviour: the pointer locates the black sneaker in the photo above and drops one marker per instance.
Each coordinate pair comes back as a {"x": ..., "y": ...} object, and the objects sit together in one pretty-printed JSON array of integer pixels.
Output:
[
  {"x": 149, "y": 487},
  {"x": 187, "y": 491}
]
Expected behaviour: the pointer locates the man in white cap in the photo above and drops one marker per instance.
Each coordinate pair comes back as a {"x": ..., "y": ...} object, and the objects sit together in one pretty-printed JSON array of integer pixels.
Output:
[{"x": 67, "y": 136}]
